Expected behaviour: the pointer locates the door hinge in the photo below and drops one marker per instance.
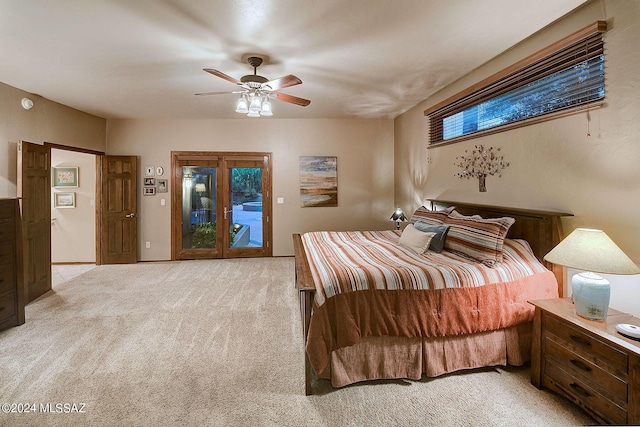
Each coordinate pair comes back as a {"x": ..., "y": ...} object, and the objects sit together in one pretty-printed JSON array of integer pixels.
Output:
[
  {"x": 267, "y": 243},
  {"x": 267, "y": 218}
]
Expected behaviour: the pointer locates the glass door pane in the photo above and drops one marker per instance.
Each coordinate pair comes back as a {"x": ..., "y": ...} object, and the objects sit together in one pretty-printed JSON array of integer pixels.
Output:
[
  {"x": 245, "y": 217},
  {"x": 199, "y": 208}
]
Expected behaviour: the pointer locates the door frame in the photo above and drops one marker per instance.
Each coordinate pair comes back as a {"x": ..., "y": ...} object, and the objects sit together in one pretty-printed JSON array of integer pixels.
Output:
[
  {"x": 219, "y": 157},
  {"x": 98, "y": 188}
]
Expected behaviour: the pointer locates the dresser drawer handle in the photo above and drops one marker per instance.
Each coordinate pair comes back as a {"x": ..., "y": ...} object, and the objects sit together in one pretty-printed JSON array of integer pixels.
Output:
[
  {"x": 580, "y": 340},
  {"x": 580, "y": 390},
  {"x": 578, "y": 364}
]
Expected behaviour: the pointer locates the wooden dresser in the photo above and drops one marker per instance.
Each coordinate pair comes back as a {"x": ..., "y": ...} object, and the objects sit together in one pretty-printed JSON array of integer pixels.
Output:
[
  {"x": 11, "y": 284},
  {"x": 587, "y": 362}
]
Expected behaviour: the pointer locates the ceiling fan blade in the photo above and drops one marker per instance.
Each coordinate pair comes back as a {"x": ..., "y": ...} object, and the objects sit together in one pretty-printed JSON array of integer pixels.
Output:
[
  {"x": 221, "y": 75},
  {"x": 282, "y": 82},
  {"x": 216, "y": 93},
  {"x": 291, "y": 99}
]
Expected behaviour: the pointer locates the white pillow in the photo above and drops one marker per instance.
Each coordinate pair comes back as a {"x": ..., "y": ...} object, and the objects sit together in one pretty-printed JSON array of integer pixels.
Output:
[{"x": 415, "y": 239}]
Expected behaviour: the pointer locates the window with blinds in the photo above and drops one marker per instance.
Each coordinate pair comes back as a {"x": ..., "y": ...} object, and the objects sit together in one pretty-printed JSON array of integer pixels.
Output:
[{"x": 564, "y": 78}]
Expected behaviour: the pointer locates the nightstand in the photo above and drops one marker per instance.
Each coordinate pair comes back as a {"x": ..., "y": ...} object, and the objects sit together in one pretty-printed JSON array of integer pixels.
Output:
[{"x": 587, "y": 362}]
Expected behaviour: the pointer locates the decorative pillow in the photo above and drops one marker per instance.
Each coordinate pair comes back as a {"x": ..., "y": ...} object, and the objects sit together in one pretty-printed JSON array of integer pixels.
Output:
[
  {"x": 477, "y": 238},
  {"x": 430, "y": 217},
  {"x": 456, "y": 214},
  {"x": 415, "y": 239},
  {"x": 437, "y": 243}
]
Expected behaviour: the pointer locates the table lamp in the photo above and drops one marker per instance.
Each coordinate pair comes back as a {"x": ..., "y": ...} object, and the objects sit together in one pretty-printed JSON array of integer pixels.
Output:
[
  {"x": 594, "y": 252},
  {"x": 398, "y": 217}
]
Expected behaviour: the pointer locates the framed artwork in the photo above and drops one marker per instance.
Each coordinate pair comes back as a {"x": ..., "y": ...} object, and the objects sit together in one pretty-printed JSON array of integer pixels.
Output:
[
  {"x": 149, "y": 181},
  {"x": 149, "y": 171},
  {"x": 318, "y": 181},
  {"x": 64, "y": 200},
  {"x": 162, "y": 186},
  {"x": 149, "y": 191},
  {"x": 65, "y": 177}
]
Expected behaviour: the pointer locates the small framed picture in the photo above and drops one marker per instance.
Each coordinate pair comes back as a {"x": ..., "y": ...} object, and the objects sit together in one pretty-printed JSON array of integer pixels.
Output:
[
  {"x": 149, "y": 181},
  {"x": 162, "y": 186},
  {"x": 65, "y": 177},
  {"x": 149, "y": 171},
  {"x": 64, "y": 200},
  {"x": 149, "y": 191}
]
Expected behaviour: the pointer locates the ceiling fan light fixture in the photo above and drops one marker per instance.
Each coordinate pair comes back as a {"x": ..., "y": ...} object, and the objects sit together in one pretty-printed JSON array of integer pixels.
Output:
[
  {"x": 266, "y": 107},
  {"x": 255, "y": 90},
  {"x": 242, "y": 106},
  {"x": 256, "y": 103}
]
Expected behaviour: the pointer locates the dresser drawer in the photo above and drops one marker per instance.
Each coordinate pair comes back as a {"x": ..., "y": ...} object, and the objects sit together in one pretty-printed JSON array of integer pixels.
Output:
[
  {"x": 7, "y": 233},
  {"x": 7, "y": 253},
  {"x": 6, "y": 210},
  {"x": 7, "y": 305},
  {"x": 7, "y": 278},
  {"x": 587, "y": 343},
  {"x": 582, "y": 394},
  {"x": 603, "y": 381}
]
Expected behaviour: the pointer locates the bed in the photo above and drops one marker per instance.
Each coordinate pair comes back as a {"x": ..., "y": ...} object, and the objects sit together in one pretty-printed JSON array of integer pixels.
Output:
[{"x": 374, "y": 306}]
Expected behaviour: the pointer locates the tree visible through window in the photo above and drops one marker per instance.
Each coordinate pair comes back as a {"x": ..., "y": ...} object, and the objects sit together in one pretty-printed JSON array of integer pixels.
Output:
[{"x": 566, "y": 80}]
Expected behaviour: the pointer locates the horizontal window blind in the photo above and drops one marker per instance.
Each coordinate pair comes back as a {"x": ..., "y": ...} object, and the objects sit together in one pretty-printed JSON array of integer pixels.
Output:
[{"x": 556, "y": 82}]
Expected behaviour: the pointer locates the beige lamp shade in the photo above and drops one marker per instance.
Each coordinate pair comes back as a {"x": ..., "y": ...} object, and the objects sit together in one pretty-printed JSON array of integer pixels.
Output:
[
  {"x": 200, "y": 188},
  {"x": 591, "y": 250}
]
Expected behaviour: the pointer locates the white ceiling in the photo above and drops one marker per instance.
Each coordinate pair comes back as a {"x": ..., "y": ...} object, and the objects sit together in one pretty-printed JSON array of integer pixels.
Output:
[{"x": 356, "y": 58}]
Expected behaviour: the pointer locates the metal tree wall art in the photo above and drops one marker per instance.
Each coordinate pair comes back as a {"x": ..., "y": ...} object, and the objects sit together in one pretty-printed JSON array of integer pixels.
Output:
[{"x": 479, "y": 163}]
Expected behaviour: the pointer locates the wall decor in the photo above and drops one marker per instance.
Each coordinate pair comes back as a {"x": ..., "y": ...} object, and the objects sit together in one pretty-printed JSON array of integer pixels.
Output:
[
  {"x": 65, "y": 176},
  {"x": 149, "y": 191},
  {"x": 159, "y": 171},
  {"x": 162, "y": 186},
  {"x": 318, "y": 181},
  {"x": 480, "y": 162},
  {"x": 64, "y": 200},
  {"x": 149, "y": 181},
  {"x": 149, "y": 171}
]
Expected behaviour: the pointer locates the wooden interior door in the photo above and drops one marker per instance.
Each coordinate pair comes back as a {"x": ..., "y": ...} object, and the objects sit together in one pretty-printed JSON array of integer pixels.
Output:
[
  {"x": 118, "y": 210},
  {"x": 34, "y": 189}
]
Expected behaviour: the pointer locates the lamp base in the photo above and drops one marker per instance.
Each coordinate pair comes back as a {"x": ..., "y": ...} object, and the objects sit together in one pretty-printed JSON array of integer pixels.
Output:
[
  {"x": 591, "y": 294},
  {"x": 630, "y": 331}
]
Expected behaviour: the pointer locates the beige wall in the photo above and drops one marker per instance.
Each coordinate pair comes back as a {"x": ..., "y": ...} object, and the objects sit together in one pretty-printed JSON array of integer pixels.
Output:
[
  {"x": 365, "y": 170},
  {"x": 73, "y": 230},
  {"x": 47, "y": 121},
  {"x": 553, "y": 165}
]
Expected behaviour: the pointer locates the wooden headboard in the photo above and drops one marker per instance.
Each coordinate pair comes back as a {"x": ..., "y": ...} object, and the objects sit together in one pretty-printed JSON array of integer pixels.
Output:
[{"x": 542, "y": 229}]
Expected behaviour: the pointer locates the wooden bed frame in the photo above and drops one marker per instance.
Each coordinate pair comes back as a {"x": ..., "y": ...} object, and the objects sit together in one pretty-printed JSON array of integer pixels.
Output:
[{"x": 542, "y": 229}]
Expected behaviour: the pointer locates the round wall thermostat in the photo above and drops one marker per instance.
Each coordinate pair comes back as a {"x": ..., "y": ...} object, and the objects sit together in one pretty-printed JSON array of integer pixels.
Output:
[{"x": 631, "y": 331}]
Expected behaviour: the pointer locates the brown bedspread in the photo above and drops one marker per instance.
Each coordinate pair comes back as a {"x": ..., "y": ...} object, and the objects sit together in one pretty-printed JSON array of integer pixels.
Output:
[{"x": 367, "y": 285}]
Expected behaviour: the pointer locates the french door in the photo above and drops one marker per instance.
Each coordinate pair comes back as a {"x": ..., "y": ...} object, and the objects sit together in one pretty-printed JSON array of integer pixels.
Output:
[{"x": 221, "y": 205}]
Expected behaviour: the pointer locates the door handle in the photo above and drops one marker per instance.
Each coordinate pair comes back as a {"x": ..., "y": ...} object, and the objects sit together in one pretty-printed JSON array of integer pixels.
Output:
[
  {"x": 130, "y": 215},
  {"x": 226, "y": 211}
]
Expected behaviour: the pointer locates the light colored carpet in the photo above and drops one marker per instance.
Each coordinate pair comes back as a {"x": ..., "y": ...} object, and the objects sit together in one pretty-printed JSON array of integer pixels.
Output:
[{"x": 218, "y": 343}]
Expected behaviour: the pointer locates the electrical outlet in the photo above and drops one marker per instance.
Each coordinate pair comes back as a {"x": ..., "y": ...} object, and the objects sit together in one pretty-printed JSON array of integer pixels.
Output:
[{"x": 148, "y": 245}]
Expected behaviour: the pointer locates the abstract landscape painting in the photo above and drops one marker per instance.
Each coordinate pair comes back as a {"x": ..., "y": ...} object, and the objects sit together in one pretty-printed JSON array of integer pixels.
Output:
[{"x": 318, "y": 181}]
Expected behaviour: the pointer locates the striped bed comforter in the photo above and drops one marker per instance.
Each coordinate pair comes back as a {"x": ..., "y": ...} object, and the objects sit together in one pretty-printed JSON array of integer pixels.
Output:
[{"x": 368, "y": 285}]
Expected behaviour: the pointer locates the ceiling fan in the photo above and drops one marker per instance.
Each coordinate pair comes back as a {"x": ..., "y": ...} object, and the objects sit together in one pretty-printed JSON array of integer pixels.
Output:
[{"x": 256, "y": 91}]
